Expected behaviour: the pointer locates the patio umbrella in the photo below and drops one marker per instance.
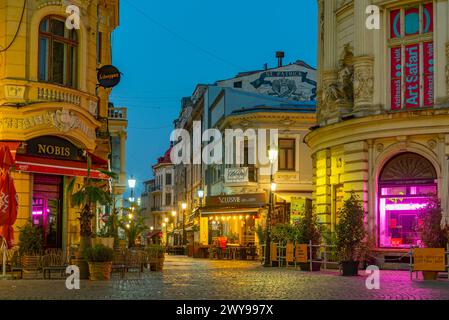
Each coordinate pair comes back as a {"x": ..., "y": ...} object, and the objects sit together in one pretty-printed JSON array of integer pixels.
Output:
[{"x": 8, "y": 197}]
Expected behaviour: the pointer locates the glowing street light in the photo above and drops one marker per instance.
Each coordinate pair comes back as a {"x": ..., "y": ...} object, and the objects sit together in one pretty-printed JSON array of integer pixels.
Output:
[{"x": 272, "y": 156}]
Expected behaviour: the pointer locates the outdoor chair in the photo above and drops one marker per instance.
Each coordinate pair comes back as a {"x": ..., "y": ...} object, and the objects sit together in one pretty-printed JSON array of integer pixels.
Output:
[
  {"x": 118, "y": 262},
  {"x": 31, "y": 265},
  {"x": 54, "y": 261},
  {"x": 133, "y": 262}
]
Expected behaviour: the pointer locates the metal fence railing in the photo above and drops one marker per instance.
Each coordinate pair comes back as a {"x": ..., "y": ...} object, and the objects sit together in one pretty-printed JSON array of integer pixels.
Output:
[{"x": 323, "y": 254}]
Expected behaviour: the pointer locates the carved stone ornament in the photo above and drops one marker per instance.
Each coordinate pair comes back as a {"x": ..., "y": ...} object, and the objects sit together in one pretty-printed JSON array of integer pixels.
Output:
[
  {"x": 64, "y": 120},
  {"x": 363, "y": 80},
  {"x": 342, "y": 90}
]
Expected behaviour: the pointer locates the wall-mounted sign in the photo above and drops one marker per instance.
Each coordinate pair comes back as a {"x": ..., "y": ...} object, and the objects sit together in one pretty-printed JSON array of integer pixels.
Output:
[
  {"x": 242, "y": 200},
  {"x": 236, "y": 175},
  {"x": 108, "y": 76},
  {"x": 429, "y": 259},
  {"x": 52, "y": 147}
]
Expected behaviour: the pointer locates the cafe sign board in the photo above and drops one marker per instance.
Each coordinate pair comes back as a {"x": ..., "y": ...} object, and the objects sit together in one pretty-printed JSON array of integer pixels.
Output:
[
  {"x": 236, "y": 175},
  {"x": 429, "y": 259},
  {"x": 52, "y": 147},
  {"x": 236, "y": 200},
  {"x": 301, "y": 253},
  {"x": 108, "y": 76}
]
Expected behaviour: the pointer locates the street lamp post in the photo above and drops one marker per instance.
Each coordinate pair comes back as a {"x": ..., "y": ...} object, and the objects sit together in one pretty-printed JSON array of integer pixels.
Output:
[
  {"x": 165, "y": 225},
  {"x": 173, "y": 213},
  {"x": 201, "y": 196},
  {"x": 132, "y": 185},
  {"x": 272, "y": 155},
  {"x": 166, "y": 231},
  {"x": 184, "y": 207}
]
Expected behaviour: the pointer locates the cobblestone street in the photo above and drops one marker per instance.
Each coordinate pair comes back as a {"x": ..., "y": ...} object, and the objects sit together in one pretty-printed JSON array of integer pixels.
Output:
[{"x": 186, "y": 278}]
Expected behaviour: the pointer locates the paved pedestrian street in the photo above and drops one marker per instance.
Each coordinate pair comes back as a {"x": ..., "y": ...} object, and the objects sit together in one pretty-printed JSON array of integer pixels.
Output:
[{"x": 186, "y": 278}]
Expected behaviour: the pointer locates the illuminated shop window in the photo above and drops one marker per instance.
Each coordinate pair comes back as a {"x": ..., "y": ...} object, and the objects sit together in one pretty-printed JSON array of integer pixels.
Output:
[
  {"x": 412, "y": 57},
  {"x": 406, "y": 184}
]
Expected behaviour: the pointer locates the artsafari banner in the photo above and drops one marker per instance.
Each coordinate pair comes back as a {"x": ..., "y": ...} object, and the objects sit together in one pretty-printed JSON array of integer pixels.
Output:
[
  {"x": 428, "y": 52},
  {"x": 412, "y": 99},
  {"x": 396, "y": 78}
]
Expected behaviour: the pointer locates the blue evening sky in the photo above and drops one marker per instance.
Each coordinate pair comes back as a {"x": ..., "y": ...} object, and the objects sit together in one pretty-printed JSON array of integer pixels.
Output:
[{"x": 164, "y": 48}]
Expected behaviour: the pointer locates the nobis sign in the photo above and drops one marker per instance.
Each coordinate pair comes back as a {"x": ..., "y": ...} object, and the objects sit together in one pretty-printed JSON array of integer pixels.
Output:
[{"x": 108, "y": 76}]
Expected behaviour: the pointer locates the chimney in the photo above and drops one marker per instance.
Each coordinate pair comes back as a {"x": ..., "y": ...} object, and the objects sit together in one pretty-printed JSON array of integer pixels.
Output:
[
  {"x": 280, "y": 55},
  {"x": 265, "y": 66}
]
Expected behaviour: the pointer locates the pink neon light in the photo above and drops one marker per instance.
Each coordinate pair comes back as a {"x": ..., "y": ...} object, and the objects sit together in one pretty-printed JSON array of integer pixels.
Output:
[
  {"x": 405, "y": 206},
  {"x": 37, "y": 213}
]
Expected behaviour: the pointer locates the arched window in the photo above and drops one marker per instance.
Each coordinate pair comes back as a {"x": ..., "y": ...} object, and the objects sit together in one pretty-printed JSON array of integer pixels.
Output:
[
  {"x": 58, "y": 52},
  {"x": 405, "y": 185}
]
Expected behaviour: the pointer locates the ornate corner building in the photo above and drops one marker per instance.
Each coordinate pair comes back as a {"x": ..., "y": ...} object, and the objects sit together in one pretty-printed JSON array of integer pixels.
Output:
[
  {"x": 383, "y": 114},
  {"x": 52, "y": 113}
]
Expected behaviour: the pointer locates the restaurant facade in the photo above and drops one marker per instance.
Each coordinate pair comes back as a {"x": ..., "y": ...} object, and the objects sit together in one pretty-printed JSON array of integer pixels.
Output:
[
  {"x": 53, "y": 116},
  {"x": 383, "y": 119}
]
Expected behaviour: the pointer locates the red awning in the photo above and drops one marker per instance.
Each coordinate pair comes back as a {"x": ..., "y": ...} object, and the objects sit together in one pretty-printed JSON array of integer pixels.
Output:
[{"x": 59, "y": 167}]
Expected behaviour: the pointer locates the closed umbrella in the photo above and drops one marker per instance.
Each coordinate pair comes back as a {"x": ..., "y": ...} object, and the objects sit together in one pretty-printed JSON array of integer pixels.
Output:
[{"x": 8, "y": 197}]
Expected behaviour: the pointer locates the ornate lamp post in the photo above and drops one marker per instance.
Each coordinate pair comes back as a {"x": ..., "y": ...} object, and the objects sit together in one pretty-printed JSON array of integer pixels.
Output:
[
  {"x": 131, "y": 185},
  {"x": 173, "y": 213},
  {"x": 272, "y": 155},
  {"x": 201, "y": 196}
]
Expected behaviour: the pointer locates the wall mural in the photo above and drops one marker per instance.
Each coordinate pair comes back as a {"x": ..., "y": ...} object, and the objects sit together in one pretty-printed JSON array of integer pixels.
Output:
[{"x": 295, "y": 82}]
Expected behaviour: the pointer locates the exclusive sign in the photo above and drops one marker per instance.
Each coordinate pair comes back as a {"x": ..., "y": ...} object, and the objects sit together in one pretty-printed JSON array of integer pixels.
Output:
[
  {"x": 243, "y": 200},
  {"x": 236, "y": 175},
  {"x": 108, "y": 76},
  {"x": 429, "y": 259}
]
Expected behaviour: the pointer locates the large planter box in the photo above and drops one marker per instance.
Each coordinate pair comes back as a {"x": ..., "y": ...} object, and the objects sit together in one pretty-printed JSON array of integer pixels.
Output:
[
  {"x": 100, "y": 270},
  {"x": 108, "y": 242},
  {"x": 350, "y": 268}
]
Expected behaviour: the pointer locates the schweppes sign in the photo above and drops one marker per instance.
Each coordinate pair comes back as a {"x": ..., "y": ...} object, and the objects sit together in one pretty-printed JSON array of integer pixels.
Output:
[{"x": 52, "y": 147}]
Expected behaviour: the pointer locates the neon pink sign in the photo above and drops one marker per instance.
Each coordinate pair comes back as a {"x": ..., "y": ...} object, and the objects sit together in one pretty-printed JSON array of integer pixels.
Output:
[{"x": 412, "y": 99}]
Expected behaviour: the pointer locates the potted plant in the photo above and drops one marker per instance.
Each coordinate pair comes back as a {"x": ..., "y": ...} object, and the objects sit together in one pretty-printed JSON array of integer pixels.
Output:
[
  {"x": 30, "y": 246},
  {"x": 86, "y": 197},
  {"x": 99, "y": 258},
  {"x": 156, "y": 257},
  {"x": 132, "y": 223},
  {"x": 433, "y": 234},
  {"x": 350, "y": 232},
  {"x": 309, "y": 231}
]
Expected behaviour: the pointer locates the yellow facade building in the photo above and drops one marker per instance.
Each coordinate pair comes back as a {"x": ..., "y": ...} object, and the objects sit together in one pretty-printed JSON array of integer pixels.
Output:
[
  {"x": 383, "y": 119},
  {"x": 51, "y": 110}
]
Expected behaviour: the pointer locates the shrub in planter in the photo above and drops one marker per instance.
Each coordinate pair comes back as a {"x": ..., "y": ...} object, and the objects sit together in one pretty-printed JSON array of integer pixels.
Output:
[
  {"x": 156, "y": 257},
  {"x": 31, "y": 246},
  {"x": 99, "y": 257},
  {"x": 283, "y": 233},
  {"x": 31, "y": 243},
  {"x": 350, "y": 232},
  {"x": 433, "y": 233},
  {"x": 308, "y": 229}
]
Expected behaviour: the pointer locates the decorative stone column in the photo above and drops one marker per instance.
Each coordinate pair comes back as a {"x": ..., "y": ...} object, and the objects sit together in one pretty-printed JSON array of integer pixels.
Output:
[{"x": 363, "y": 85}]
